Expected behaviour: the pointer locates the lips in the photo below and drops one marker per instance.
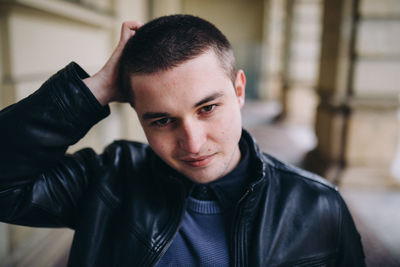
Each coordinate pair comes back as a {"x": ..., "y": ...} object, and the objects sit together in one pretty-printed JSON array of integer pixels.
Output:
[{"x": 198, "y": 161}]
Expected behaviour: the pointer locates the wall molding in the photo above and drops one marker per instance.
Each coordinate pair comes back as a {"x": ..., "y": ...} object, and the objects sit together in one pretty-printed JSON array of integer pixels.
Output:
[{"x": 72, "y": 11}]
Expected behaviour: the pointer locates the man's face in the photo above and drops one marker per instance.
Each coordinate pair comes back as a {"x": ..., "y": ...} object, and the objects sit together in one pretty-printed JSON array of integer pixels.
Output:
[{"x": 191, "y": 116}]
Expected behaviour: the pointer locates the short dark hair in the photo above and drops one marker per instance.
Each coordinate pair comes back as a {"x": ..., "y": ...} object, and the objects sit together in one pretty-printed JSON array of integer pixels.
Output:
[{"x": 169, "y": 41}]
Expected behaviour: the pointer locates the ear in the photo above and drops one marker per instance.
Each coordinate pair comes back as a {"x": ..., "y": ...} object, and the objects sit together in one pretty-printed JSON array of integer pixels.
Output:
[{"x": 240, "y": 87}]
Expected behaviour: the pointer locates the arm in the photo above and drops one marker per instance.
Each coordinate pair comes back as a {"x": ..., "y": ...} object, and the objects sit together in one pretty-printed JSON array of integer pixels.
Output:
[{"x": 39, "y": 184}]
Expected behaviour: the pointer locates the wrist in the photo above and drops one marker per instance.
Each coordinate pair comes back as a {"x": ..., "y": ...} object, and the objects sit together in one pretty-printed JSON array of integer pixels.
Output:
[{"x": 98, "y": 88}]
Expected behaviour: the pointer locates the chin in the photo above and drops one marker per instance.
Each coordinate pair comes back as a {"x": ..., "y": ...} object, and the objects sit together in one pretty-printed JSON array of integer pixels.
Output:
[{"x": 204, "y": 176}]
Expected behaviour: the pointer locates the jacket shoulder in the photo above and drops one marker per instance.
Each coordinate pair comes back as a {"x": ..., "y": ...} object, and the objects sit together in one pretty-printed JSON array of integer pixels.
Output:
[
  {"x": 288, "y": 171},
  {"x": 303, "y": 189},
  {"x": 134, "y": 147},
  {"x": 306, "y": 199}
]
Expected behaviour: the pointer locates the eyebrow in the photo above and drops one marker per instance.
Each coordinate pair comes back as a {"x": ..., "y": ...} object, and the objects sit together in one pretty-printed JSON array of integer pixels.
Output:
[
  {"x": 155, "y": 115},
  {"x": 209, "y": 98}
]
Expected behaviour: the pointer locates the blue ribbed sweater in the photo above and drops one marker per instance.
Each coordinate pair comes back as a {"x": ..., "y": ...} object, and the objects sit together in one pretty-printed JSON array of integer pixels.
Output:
[{"x": 201, "y": 240}]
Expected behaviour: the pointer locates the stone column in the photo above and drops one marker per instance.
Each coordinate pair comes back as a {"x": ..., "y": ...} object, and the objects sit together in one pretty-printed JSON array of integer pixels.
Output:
[
  {"x": 373, "y": 129},
  {"x": 333, "y": 87},
  {"x": 356, "y": 123},
  {"x": 277, "y": 56},
  {"x": 293, "y": 53}
]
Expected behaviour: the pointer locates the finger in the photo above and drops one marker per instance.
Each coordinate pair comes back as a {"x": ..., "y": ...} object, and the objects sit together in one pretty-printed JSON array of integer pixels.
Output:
[
  {"x": 133, "y": 25},
  {"x": 128, "y": 29}
]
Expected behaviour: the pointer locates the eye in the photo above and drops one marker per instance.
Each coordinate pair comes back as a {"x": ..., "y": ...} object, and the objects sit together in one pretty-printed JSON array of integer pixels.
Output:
[
  {"x": 208, "y": 108},
  {"x": 162, "y": 122}
]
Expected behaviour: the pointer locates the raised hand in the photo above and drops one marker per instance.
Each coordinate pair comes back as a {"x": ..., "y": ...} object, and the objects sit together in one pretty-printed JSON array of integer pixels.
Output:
[{"x": 104, "y": 84}]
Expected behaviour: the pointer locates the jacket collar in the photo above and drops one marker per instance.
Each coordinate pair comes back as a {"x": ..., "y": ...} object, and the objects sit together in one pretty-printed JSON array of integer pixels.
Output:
[{"x": 257, "y": 161}]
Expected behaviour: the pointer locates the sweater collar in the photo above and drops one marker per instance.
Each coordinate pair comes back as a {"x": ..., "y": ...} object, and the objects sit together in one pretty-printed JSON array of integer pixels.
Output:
[{"x": 228, "y": 189}]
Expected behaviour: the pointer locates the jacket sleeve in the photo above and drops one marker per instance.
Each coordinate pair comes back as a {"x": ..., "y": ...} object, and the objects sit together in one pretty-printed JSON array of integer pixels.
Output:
[
  {"x": 39, "y": 184},
  {"x": 350, "y": 247}
]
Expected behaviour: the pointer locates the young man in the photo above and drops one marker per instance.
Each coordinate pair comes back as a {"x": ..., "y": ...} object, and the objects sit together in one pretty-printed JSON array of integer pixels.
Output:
[{"x": 200, "y": 194}]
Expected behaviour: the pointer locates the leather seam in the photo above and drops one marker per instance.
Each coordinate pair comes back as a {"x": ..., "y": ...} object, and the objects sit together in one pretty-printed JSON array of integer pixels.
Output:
[
  {"x": 140, "y": 237},
  {"x": 142, "y": 240},
  {"x": 294, "y": 174},
  {"x": 106, "y": 200}
]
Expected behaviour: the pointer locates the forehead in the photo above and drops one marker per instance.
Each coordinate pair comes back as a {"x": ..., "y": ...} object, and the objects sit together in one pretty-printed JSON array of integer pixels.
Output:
[{"x": 183, "y": 85}]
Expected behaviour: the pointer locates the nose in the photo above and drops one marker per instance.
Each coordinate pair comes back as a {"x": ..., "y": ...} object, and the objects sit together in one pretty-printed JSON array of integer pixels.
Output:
[{"x": 192, "y": 136}]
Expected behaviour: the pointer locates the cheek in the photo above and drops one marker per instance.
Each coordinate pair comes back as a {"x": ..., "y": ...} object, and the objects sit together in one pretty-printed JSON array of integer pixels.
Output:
[
  {"x": 162, "y": 145},
  {"x": 229, "y": 127},
  {"x": 232, "y": 119}
]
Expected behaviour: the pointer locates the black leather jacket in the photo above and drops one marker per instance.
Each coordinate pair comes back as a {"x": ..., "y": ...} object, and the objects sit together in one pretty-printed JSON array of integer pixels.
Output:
[{"x": 126, "y": 206}]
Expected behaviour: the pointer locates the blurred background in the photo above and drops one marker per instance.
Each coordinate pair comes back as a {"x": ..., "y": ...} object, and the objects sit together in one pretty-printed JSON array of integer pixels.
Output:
[{"x": 323, "y": 93}]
